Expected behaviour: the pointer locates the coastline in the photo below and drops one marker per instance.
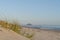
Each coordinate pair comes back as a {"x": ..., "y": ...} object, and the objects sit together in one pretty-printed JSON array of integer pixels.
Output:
[{"x": 44, "y": 34}]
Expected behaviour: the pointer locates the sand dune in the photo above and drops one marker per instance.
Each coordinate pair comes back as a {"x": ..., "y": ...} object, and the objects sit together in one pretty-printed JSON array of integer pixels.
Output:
[
  {"x": 39, "y": 34},
  {"x": 10, "y": 35}
]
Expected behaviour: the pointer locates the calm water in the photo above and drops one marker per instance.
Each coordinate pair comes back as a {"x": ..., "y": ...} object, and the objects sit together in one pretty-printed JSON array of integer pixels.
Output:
[{"x": 44, "y": 27}]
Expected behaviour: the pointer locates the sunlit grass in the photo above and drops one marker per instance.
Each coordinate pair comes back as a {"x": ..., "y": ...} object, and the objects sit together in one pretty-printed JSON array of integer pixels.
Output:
[
  {"x": 12, "y": 26},
  {"x": 15, "y": 27}
]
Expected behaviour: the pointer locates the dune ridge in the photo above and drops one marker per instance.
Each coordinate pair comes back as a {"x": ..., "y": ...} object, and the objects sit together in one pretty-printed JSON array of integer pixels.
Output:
[{"x": 10, "y": 35}]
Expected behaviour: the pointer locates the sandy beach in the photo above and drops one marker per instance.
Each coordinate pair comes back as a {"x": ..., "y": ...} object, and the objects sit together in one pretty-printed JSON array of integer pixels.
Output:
[
  {"x": 39, "y": 34},
  {"x": 43, "y": 34},
  {"x": 10, "y": 35}
]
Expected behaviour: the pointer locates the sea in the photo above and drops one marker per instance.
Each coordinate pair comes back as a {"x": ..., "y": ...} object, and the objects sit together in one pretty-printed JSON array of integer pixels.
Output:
[{"x": 52, "y": 27}]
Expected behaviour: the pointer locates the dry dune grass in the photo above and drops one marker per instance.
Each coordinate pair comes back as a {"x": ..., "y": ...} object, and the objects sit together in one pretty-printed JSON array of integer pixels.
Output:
[
  {"x": 25, "y": 33},
  {"x": 10, "y": 35},
  {"x": 15, "y": 27}
]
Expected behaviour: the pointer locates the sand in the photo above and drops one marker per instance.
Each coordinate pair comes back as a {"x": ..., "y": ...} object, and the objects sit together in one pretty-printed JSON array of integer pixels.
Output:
[
  {"x": 10, "y": 35},
  {"x": 39, "y": 34},
  {"x": 44, "y": 34}
]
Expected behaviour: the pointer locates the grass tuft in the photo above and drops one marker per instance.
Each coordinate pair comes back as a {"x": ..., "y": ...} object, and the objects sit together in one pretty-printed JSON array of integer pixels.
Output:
[{"x": 15, "y": 27}]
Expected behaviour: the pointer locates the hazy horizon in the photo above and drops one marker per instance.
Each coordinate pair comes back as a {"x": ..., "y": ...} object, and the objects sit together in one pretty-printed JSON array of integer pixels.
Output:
[{"x": 39, "y": 12}]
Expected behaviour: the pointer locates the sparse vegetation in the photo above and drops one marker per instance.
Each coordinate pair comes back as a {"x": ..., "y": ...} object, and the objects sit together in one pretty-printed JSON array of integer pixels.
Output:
[
  {"x": 15, "y": 27},
  {"x": 12, "y": 26},
  {"x": 29, "y": 36}
]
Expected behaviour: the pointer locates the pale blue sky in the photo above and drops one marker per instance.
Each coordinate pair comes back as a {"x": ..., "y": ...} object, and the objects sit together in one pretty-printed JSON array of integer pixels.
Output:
[{"x": 38, "y": 12}]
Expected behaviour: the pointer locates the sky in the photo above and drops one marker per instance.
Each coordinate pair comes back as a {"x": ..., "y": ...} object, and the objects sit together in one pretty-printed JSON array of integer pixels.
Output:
[{"x": 37, "y": 12}]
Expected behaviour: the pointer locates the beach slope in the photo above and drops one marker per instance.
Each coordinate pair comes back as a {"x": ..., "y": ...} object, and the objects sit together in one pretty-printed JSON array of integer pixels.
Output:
[{"x": 10, "y": 35}]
